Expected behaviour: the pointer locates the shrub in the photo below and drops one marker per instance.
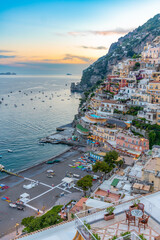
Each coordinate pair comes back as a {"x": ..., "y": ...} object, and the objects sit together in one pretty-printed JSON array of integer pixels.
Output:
[{"x": 48, "y": 219}]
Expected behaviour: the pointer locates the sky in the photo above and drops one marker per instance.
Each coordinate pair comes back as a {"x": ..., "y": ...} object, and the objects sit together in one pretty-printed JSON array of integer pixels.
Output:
[{"x": 39, "y": 34}]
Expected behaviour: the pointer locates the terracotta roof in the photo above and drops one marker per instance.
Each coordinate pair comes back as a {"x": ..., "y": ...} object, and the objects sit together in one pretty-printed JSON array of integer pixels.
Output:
[{"x": 79, "y": 205}]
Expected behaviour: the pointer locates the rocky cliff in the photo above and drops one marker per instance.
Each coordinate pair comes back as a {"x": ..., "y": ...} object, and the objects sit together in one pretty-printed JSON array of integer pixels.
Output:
[{"x": 132, "y": 43}]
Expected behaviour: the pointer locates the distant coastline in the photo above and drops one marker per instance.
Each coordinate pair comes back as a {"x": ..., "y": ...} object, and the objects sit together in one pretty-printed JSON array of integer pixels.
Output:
[{"x": 8, "y": 73}]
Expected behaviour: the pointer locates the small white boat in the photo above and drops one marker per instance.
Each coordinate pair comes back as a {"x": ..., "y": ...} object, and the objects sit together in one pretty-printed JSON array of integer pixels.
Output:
[
  {"x": 13, "y": 205},
  {"x": 10, "y": 151}
]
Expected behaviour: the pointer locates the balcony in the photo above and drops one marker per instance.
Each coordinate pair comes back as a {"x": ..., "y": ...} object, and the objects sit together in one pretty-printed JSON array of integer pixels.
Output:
[{"x": 115, "y": 227}]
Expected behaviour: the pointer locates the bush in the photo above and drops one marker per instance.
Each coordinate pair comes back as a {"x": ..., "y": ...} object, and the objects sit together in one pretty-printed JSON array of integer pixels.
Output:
[{"x": 48, "y": 219}]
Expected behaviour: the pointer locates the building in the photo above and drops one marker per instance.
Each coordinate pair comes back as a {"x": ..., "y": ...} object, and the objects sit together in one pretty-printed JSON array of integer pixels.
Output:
[
  {"x": 103, "y": 134},
  {"x": 154, "y": 91},
  {"x": 151, "y": 54},
  {"x": 141, "y": 98},
  {"x": 149, "y": 115},
  {"x": 110, "y": 105},
  {"x": 156, "y": 76},
  {"x": 151, "y": 172},
  {"x": 131, "y": 143}
]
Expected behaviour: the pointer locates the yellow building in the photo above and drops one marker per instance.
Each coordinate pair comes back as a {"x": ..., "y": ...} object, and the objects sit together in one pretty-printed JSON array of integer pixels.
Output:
[
  {"x": 156, "y": 76},
  {"x": 139, "y": 98},
  {"x": 95, "y": 103},
  {"x": 104, "y": 134},
  {"x": 151, "y": 172},
  {"x": 154, "y": 91}
]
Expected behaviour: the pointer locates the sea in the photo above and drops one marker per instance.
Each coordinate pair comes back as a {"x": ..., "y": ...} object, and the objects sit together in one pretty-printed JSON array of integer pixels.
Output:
[{"x": 32, "y": 108}]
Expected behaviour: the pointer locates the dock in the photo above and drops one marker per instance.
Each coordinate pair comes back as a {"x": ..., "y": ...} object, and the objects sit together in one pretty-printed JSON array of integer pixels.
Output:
[
  {"x": 66, "y": 142},
  {"x": 64, "y": 136},
  {"x": 10, "y": 173}
]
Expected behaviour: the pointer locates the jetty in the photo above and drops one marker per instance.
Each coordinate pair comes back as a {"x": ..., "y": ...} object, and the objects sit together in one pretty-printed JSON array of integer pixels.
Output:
[
  {"x": 64, "y": 135},
  {"x": 9, "y": 173},
  {"x": 66, "y": 142}
]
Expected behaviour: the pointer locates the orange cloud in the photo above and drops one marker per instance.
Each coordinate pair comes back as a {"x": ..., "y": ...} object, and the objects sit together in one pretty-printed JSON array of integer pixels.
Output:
[{"x": 120, "y": 31}]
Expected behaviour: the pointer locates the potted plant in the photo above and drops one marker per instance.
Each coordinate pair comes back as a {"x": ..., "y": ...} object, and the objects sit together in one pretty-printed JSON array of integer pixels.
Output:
[
  {"x": 110, "y": 214},
  {"x": 134, "y": 204}
]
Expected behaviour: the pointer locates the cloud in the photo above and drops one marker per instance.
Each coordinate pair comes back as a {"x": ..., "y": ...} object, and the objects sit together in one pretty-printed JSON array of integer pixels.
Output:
[
  {"x": 94, "y": 48},
  {"x": 76, "y": 57},
  {"x": 120, "y": 31},
  {"x": 6, "y": 56},
  {"x": 5, "y": 51}
]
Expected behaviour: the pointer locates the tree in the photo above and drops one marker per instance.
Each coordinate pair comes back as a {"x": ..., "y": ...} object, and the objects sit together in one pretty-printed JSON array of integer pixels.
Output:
[
  {"x": 85, "y": 183},
  {"x": 102, "y": 167},
  {"x": 111, "y": 157},
  {"x": 152, "y": 137}
]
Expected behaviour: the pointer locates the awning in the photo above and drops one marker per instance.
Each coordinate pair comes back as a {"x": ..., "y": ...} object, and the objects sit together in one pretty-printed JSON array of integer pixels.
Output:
[{"x": 115, "y": 182}]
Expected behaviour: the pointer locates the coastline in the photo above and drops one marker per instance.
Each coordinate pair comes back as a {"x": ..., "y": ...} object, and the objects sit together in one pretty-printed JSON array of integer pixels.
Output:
[{"x": 36, "y": 165}]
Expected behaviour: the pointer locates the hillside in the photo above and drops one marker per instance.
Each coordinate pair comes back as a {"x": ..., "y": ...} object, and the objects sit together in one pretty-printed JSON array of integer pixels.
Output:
[{"x": 127, "y": 46}]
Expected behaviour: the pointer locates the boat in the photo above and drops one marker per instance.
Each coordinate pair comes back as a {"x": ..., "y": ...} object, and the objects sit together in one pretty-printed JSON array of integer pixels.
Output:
[
  {"x": 68, "y": 74},
  {"x": 10, "y": 151},
  {"x": 40, "y": 143},
  {"x": 0, "y": 156},
  {"x": 53, "y": 161}
]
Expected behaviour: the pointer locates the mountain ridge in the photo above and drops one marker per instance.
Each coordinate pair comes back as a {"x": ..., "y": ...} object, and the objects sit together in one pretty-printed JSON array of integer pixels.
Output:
[{"x": 132, "y": 43}]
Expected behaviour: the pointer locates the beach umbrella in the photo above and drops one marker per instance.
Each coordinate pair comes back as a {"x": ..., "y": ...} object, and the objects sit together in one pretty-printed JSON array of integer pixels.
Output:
[{"x": 7, "y": 198}]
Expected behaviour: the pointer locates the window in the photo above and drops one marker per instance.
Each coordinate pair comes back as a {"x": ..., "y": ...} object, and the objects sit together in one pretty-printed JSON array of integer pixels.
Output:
[
  {"x": 128, "y": 145},
  {"x": 137, "y": 142},
  {"x": 123, "y": 144},
  {"x": 144, "y": 143},
  {"x": 133, "y": 141}
]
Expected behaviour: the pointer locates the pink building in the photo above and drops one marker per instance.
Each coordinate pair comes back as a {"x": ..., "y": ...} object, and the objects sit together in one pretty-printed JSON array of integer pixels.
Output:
[{"x": 132, "y": 143}]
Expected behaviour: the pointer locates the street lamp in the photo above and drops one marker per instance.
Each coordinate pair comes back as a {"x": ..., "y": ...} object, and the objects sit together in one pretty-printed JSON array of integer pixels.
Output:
[{"x": 16, "y": 226}]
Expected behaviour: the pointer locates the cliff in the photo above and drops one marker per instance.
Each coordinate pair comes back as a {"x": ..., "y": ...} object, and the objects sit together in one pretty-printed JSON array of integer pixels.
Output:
[{"x": 132, "y": 43}]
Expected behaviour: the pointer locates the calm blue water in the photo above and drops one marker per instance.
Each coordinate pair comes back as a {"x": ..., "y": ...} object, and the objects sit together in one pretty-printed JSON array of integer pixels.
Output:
[{"x": 21, "y": 127}]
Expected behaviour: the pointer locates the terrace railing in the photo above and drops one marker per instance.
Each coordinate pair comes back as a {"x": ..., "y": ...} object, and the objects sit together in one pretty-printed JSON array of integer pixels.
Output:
[
  {"x": 131, "y": 236},
  {"x": 97, "y": 214}
]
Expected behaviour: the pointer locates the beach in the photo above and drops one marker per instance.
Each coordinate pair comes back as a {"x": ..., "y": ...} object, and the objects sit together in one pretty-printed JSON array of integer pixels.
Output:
[{"x": 44, "y": 195}]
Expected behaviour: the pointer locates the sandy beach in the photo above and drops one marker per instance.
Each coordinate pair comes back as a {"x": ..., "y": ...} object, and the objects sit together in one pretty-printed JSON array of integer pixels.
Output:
[{"x": 43, "y": 195}]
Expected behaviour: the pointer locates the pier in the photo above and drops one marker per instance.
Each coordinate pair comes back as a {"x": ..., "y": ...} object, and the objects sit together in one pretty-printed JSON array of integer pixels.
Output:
[
  {"x": 66, "y": 142},
  {"x": 10, "y": 173}
]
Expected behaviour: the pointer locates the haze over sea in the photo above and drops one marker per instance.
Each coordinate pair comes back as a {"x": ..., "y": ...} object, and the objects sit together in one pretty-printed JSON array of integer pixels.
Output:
[{"x": 21, "y": 127}]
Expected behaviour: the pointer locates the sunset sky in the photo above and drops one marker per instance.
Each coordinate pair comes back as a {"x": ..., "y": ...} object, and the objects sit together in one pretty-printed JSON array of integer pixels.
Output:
[{"x": 43, "y": 32}]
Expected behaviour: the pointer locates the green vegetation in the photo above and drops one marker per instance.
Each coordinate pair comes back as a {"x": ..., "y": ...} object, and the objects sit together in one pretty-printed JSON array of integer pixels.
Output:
[
  {"x": 142, "y": 237},
  {"x": 102, "y": 167},
  {"x": 125, "y": 233},
  {"x": 110, "y": 210},
  {"x": 87, "y": 225},
  {"x": 136, "y": 56},
  {"x": 136, "y": 66},
  {"x": 96, "y": 236},
  {"x": 111, "y": 158},
  {"x": 85, "y": 183},
  {"x": 126, "y": 237},
  {"x": 48, "y": 219},
  {"x": 117, "y": 111},
  {"x": 136, "y": 133},
  {"x": 152, "y": 130},
  {"x": 133, "y": 110}
]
